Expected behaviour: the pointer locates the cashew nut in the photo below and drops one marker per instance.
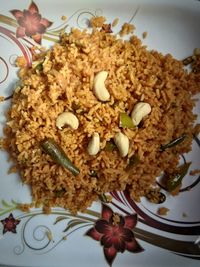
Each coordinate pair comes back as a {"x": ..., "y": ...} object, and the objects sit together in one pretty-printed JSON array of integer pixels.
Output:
[
  {"x": 140, "y": 110},
  {"x": 94, "y": 145},
  {"x": 99, "y": 87},
  {"x": 67, "y": 118},
  {"x": 122, "y": 143}
]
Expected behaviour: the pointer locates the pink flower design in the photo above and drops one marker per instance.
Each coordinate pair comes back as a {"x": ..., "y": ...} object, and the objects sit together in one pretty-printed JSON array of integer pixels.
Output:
[
  {"x": 31, "y": 23},
  {"x": 115, "y": 236},
  {"x": 10, "y": 224}
]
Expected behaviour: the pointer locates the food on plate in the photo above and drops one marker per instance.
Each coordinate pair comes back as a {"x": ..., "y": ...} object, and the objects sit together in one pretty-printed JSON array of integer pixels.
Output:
[
  {"x": 96, "y": 113},
  {"x": 163, "y": 211}
]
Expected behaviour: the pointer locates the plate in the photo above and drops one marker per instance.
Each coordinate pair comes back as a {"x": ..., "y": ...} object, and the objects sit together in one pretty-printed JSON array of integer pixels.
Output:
[{"x": 62, "y": 239}]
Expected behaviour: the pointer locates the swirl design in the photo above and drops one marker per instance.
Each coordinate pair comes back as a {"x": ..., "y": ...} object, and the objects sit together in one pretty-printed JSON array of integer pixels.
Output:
[
  {"x": 12, "y": 59},
  {"x": 38, "y": 234},
  {"x": 5, "y": 65}
]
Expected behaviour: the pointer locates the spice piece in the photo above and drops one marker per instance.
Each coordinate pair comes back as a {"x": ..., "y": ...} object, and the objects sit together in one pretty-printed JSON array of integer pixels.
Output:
[
  {"x": 115, "y": 22},
  {"x": 21, "y": 62},
  {"x": 195, "y": 172},
  {"x": 106, "y": 28},
  {"x": 93, "y": 173},
  {"x": 144, "y": 35},
  {"x": 49, "y": 235},
  {"x": 63, "y": 17},
  {"x": 163, "y": 211},
  {"x": 1, "y": 143},
  {"x": 12, "y": 169},
  {"x": 184, "y": 215},
  {"x": 196, "y": 51}
]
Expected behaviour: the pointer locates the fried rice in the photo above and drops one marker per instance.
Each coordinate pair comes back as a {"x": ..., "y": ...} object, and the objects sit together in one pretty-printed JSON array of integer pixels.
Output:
[{"x": 65, "y": 83}]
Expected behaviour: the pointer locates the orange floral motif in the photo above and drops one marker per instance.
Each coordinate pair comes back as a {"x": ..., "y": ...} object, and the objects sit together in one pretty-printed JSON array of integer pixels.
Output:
[{"x": 31, "y": 23}]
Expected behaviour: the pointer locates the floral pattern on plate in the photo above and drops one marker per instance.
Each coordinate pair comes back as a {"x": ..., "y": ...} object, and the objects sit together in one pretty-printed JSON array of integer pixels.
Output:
[{"x": 31, "y": 23}]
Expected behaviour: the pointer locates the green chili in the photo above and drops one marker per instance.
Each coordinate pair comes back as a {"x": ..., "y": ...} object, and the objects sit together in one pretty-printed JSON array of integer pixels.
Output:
[
  {"x": 188, "y": 60},
  {"x": 103, "y": 198},
  {"x": 174, "y": 180},
  {"x": 58, "y": 155},
  {"x": 126, "y": 121},
  {"x": 39, "y": 67},
  {"x": 110, "y": 146},
  {"x": 60, "y": 193},
  {"x": 173, "y": 143},
  {"x": 133, "y": 161}
]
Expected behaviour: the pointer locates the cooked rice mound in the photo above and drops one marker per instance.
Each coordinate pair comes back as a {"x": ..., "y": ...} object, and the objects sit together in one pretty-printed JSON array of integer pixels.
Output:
[{"x": 66, "y": 84}]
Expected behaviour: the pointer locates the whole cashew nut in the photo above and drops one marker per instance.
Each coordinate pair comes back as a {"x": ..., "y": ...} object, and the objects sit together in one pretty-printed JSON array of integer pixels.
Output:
[
  {"x": 67, "y": 118},
  {"x": 99, "y": 87},
  {"x": 94, "y": 145},
  {"x": 122, "y": 143},
  {"x": 140, "y": 110}
]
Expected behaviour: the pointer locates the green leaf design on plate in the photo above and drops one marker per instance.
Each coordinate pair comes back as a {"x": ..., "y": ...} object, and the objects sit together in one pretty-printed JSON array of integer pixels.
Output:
[
  {"x": 7, "y": 207},
  {"x": 5, "y": 204},
  {"x": 60, "y": 218},
  {"x": 73, "y": 223},
  {"x": 7, "y": 20}
]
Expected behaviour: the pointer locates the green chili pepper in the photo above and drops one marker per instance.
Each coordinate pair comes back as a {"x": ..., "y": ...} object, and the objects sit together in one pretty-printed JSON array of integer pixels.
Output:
[
  {"x": 103, "y": 198},
  {"x": 58, "y": 155},
  {"x": 174, "y": 180},
  {"x": 174, "y": 142},
  {"x": 126, "y": 121},
  {"x": 188, "y": 60},
  {"x": 110, "y": 146},
  {"x": 59, "y": 193},
  {"x": 134, "y": 160},
  {"x": 39, "y": 67}
]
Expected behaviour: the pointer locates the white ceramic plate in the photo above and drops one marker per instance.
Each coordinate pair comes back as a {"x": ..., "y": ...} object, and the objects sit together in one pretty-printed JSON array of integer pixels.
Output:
[{"x": 173, "y": 27}]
